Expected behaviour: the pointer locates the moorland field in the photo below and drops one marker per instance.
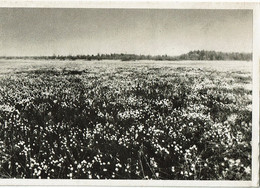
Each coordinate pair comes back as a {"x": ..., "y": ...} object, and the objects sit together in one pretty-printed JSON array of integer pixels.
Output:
[{"x": 188, "y": 120}]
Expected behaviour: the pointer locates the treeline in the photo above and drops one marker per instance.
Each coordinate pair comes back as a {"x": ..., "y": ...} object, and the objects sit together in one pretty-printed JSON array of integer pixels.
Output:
[
  {"x": 213, "y": 55},
  {"x": 192, "y": 55}
]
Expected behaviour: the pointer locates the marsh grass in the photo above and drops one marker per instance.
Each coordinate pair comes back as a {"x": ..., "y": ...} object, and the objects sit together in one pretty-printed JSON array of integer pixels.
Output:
[{"x": 133, "y": 122}]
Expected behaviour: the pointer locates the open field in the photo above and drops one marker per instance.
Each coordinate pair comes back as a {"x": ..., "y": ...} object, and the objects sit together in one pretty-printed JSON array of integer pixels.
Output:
[
  {"x": 18, "y": 65},
  {"x": 125, "y": 120}
]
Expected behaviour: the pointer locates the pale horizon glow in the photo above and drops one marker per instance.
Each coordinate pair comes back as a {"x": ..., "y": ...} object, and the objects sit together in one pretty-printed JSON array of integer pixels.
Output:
[{"x": 43, "y": 31}]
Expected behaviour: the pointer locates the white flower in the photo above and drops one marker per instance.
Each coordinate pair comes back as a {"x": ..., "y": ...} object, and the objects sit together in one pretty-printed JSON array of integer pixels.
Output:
[
  {"x": 238, "y": 161},
  {"x": 248, "y": 170}
]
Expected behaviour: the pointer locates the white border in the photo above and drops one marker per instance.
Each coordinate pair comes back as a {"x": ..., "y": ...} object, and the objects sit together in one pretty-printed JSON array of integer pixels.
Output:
[
  {"x": 153, "y": 4},
  {"x": 125, "y": 183},
  {"x": 255, "y": 114},
  {"x": 136, "y": 4}
]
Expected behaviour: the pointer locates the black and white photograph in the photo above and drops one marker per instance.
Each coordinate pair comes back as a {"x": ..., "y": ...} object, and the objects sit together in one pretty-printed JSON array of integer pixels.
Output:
[{"x": 129, "y": 94}]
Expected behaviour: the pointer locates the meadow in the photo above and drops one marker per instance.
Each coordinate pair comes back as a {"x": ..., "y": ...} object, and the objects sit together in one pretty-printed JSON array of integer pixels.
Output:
[{"x": 125, "y": 120}]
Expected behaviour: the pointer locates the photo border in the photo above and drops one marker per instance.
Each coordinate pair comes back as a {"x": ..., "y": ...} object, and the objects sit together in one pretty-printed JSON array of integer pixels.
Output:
[{"x": 152, "y": 4}]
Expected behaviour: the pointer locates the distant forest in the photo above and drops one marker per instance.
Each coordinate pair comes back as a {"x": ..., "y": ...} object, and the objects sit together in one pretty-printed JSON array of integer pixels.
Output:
[{"x": 192, "y": 55}]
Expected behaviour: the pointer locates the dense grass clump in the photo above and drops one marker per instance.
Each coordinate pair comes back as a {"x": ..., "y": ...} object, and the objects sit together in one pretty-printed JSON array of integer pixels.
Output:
[{"x": 126, "y": 123}]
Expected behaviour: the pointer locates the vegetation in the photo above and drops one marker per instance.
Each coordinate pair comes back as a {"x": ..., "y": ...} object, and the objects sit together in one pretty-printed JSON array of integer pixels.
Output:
[
  {"x": 126, "y": 123},
  {"x": 193, "y": 55}
]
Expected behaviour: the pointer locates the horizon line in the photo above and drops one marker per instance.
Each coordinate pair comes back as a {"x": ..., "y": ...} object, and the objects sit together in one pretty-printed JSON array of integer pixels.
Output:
[{"x": 124, "y": 53}]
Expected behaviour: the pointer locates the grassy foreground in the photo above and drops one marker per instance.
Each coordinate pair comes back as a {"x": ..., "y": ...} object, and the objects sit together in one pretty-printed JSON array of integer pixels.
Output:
[{"x": 126, "y": 123}]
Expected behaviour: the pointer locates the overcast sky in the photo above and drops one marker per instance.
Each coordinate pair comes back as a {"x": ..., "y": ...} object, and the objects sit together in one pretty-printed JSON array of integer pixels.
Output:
[{"x": 25, "y": 31}]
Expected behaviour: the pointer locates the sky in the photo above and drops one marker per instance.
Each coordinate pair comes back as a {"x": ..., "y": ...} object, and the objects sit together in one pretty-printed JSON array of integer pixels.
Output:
[{"x": 48, "y": 31}]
